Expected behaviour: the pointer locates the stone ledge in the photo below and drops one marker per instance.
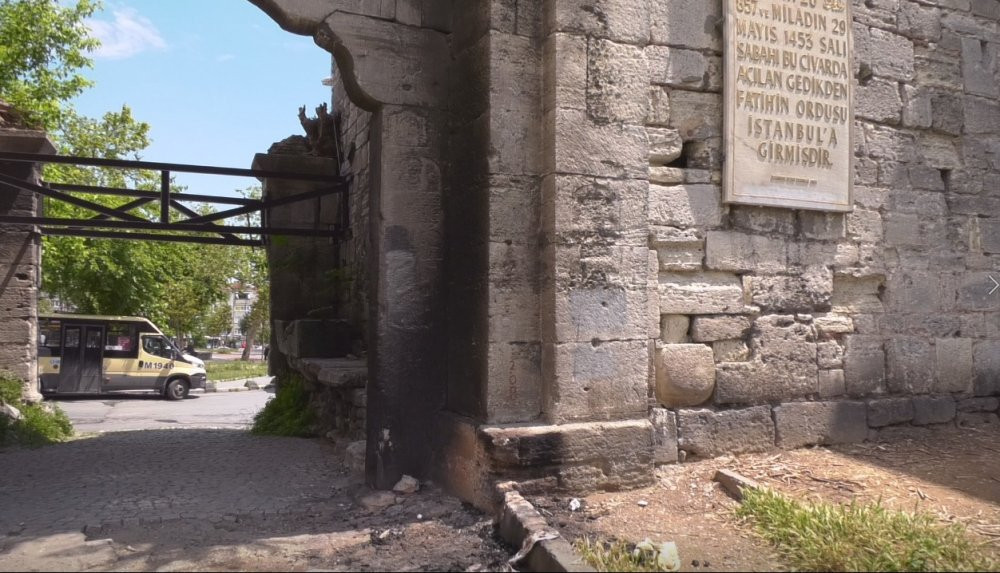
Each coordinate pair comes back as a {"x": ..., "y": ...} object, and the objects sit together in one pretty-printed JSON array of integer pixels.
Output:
[
  {"x": 542, "y": 547},
  {"x": 333, "y": 372}
]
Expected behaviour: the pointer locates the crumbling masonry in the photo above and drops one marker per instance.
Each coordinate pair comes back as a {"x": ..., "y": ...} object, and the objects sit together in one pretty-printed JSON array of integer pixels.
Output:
[{"x": 553, "y": 288}]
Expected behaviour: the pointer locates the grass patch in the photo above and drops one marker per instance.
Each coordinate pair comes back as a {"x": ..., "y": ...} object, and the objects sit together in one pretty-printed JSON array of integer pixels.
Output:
[
  {"x": 825, "y": 537},
  {"x": 625, "y": 556},
  {"x": 288, "y": 413},
  {"x": 219, "y": 371},
  {"x": 41, "y": 424}
]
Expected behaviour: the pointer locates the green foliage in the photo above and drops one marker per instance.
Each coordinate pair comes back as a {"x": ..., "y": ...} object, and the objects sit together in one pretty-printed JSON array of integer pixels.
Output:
[
  {"x": 221, "y": 370},
  {"x": 10, "y": 389},
  {"x": 615, "y": 556},
  {"x": 288, "y": 413},
  {"x": 43, "y": 46},
  {"x": 40, "y": 425},
  {"x": 855, "y": 537}
]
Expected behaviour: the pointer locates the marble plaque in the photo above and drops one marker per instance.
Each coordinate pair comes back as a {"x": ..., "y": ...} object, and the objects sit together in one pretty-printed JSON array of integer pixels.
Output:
[{"x": 789, "y": 103}]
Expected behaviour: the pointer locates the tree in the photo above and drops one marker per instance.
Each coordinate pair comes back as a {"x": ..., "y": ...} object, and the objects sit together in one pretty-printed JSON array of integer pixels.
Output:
[{"x": 43, "y": 50}]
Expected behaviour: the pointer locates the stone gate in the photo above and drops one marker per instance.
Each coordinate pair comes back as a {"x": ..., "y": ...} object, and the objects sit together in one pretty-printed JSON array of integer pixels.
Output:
[{"x": 565, "y": 286}]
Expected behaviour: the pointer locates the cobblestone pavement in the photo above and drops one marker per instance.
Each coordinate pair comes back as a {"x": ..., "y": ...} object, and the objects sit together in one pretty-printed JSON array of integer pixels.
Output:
[{"x": 169, "y": 496}]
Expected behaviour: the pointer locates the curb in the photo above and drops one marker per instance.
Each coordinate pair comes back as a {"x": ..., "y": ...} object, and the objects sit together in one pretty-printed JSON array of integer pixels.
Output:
[{"x": 542, "y": 547}]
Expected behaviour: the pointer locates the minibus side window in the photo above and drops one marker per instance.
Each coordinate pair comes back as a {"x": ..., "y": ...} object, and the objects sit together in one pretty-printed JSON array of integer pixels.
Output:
[
  {"x": 157, "y": 346},
  {"x": 120, "y": 340},
  {"x": 49, "y": 337}
]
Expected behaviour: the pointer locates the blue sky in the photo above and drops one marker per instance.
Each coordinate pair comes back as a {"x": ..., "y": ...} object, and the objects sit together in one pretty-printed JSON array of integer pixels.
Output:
[{"x": 217, "y": 80}]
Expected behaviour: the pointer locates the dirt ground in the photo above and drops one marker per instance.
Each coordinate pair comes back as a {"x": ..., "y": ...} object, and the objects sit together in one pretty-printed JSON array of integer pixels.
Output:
[
  {"x": 951, "y": 473},
  {"x": 427, "y": 531}
]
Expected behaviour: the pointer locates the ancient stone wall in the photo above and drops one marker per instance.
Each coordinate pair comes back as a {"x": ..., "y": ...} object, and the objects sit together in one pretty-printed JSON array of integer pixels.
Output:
[
  {"x": 20, "y": 257},
  {"x": 788, "y": 327},
  {"x": 559, "y": 293}
]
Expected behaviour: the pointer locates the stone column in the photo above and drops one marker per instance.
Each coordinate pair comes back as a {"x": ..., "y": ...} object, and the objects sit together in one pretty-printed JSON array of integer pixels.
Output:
[
  {"x": 20, "y": 262},
  {"x": 300, "y": 283}
]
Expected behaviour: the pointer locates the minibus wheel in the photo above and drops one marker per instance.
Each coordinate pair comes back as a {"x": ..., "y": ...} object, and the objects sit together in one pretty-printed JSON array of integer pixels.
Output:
[{"x": 177, "y": 389}]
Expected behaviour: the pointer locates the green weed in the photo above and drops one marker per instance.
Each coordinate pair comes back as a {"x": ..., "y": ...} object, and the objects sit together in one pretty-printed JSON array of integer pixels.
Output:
[
  {"x": 855, "y": 537},
  {"x": 222, "y": 370},
  {"x": 40, "y": 425},
  {"x": 288, "y": 413}
]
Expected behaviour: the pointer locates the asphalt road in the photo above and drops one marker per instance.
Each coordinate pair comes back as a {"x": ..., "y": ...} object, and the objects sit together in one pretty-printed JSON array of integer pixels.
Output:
[{"x": 223, "y": 410}]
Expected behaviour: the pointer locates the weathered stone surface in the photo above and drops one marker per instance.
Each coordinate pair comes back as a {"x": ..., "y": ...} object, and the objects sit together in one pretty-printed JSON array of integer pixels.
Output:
[
  {"x": 701, "y": 293},
  {"x": 617, "y": 79},
  {"x": 830, "y": 355},
  {"x": 712, "y": 328},
  {"x": 710, "y": 433},
  {"x": 954, "y": 364},
  {"x": 674, "y": 328},
  {"x": 605, "y": 381},
  {"x": 665, "y": 145},
  {"x": 830, "y": 383},
  {"x": 805, "y": 292},
  {"x": 685, "y": 205},
  {"x": 626, "y": 21},
  {"x": 978, "y": 405},
  {"x": 857, "y": 294},
  {"x": 833, "y": 324},
  {"x": 976, "y": 419},
  {"x": 910, "y": 362},
  {"x": 933, "y": 410},
  {"x": 677, "y": 67},
  {"x": 730, "y": 351},
  {"x": 879, "y": 101},
  {"x": 987, "y": 368},
  {"x": 688, "y": 25},
  {"x": 685, "y": 375},
  {"x": 664, "y": 436},
  {"x": 784, "y": 365},
  {"x": 583, "y": 147},
  {"x": 731, "y": 251},
  {"x": 889, "y": 411},
  {"x": 800, "y": 424},
  {"x": 864, "y": 365}
]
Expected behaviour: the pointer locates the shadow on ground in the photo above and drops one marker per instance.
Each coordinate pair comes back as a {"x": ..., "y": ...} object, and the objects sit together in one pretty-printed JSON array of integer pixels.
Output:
[{"x": 222, "y": 500}]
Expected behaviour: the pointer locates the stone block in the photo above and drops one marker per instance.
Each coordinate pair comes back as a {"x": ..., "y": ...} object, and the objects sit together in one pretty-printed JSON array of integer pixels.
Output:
[
  {"x": 982, "y": 116},
  {"x": 879, "y": 101},
  {"x": 601, "y": 312},
  {"x": 784, "y": 366},
  {"x": 514, "y": 391},
  {"x": 666, "y": 175},
  {"x": 807, "y": 292},
  {"x": 977, "y": 419},
  {"x": 658, "y": 107},
  {"x": 978, "y": 405},
  {"x": 852, "y": 295},
  {"x": 733, "y": 251},
  {"x": 864, "y": 365},
  {"x": 695, "y": 26},
  {"x": 583, "y": 147},
  {"x": 829, "y": 325},
  {"x": 674, "y": 328},
  {"x": 680, "y": 256},
  {"x": 919, "y": 21},
  {"x": 617, "y": 79},
  {"x": 763, "y": 219},
  {"x": 665, "y": 145},
  {"x": 701, "y": 293},
  {"x": 910, "y": 364},
  {"x": 889, "y": 411},
  {"x": 731, "y": 351},
  {"x": 685, "y": 205},
  {"x": 823, "y": 226},
  {"x": 712, "y": 328},
  {"x": 954, "y": 365},
  {"x": 566, "y": 60},
  {"x": 664, "y": 436},
  {"x": 987, "y": 368},
  {"x": 890, "y": 55},
  {"x": 623, "y": 21},
  {"x": 677, "y": 67},
  {"x": 979, "y": 67},
  {"x": 800, "y": 424},
  {"x": 933, "y": 410},
  {"x": 696, "y": 115},
  {"x": 685, "y": 375},
  {"x": 710, "y": 433},
  {"x": 830, "y": 383},
  {"x": 596, "y": 210},
  {"x": 596, "y": 381},
  {"x": 316, "y": 338},
  {"x": 830, "y": 355}
]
